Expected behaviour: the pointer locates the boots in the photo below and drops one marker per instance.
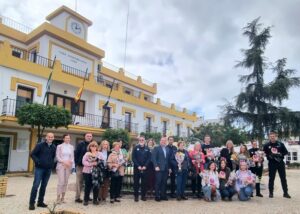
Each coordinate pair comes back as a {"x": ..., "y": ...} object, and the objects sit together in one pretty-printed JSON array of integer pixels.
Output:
[{"x": 257, "y": 187}]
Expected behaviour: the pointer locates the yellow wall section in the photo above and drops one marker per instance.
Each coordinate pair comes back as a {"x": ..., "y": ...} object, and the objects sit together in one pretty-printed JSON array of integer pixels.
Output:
[
  {"x": 164, "y": 119},
  {"x": 130, "y": 110},
  {"x": 14, "y": 81},
  {"x": 146, "y": 114},
  {"x": 110, "y": 104},
  {"x": 178, "y": 122},
  {"x": 7, "y": 60}
]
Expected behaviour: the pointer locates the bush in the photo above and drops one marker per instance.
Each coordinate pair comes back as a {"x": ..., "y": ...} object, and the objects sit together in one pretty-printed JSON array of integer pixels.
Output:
[
  {"x": 156, "y": 136},
  {"x": 113, "y": 135}
]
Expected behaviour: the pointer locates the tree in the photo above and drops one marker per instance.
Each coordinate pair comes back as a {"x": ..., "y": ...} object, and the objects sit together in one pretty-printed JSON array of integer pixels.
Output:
[
  {"x": 113, "y": 135},
  {"x": 41, "y": 116},
  {"x": 156, "y": 136},
  {"x": 258, "y": 106},
  {"x": 220, "y": 134}
]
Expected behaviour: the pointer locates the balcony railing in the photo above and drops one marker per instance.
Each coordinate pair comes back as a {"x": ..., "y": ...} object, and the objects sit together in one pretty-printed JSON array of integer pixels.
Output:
[
  {"x": 31, "y": 57},
  {"x": 10, "y": 107},
  {"x": 100, "y": 80},
  {"x": 149, "y": 129},
  {"x": 15, "y": 25},
  {"x": 74, "y": 71}
]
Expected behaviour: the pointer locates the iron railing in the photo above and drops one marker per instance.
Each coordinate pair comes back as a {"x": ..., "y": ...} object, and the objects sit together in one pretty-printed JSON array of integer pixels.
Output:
[
  {"x": 31, "y": 57},
  {"x": 149, "y": 129},
  {"x": 9, "y": 107},
  {"x": 74, "y": 71}
]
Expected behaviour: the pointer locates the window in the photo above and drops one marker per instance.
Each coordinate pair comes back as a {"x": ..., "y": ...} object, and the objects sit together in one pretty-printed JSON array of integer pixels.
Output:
[
  {"x": 105, "y": 117},
  {"x": 295, "y": 156},
  {"x": 188, "y": 131},
  {"x": 289, "y": 156},
  {"x": 178, "y": 130},
  {"x": 33, "y": 55},
  {"x": 24, "y": 95},
  {"x": 164, "y": 128},
  {"x": 67, "y": 103},
  {"x": 148, "y": 124},
  {"x": 128, "y": 121},
  {"x": 16, "y": 52}
]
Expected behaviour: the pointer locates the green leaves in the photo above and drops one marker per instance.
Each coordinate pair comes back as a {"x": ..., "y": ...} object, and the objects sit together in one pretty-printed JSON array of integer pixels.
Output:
[
  {"x": 156, "y": 136},
  {"x": 40, "y": 116},
  {"x": 258, "y": 106},
  {"x": 113, "y": 135}
]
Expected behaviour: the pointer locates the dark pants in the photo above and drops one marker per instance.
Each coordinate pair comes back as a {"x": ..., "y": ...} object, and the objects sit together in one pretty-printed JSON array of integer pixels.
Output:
[
  {"x": 172, "y": 184},
  {"x": 88, "y": 186},
  {"x": 181, "y": 182},
  {"x": 137, "y": 176},
  {"x": 114, "y": 186},
  {"x": 257, "y": 171},
  {"x": 227, "y": 192},
  {"x": 196, "y": 184},
  {"x": 273, "y": 167},
  {"x": 120, "y": 182},
  {"x": 41, "y": 177},
  {"x": 161, "y": 178}
]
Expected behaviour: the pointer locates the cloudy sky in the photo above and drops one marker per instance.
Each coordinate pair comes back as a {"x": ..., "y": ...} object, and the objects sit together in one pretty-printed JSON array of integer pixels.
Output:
[{"x": 188, "y": 47}]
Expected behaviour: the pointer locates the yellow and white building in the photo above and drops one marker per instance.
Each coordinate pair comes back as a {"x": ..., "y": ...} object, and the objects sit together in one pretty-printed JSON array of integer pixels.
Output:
[{"x": 26, "y": 59}]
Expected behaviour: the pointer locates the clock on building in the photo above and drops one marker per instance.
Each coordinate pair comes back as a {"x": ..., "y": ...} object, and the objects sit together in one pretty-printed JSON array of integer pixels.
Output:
[{"x": 76, "y": 27}]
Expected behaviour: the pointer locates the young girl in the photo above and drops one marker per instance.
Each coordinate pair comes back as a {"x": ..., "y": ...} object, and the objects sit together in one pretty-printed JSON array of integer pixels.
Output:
[
  {"x": 226, "y": 182},
  {"x": 198, "y": 159},
  {"x": 210, "y": 183},
  {"x": 243, "y": 155},
  {"x": 244, "y": 182}
]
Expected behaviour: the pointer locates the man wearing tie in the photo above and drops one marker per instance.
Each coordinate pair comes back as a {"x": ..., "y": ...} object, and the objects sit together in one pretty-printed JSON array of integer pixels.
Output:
[{"x": 161, "y": 161}]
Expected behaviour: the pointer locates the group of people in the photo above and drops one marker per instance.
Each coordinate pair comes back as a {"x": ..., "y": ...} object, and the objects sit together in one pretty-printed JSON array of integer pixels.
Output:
[{"x": 101, "y": 170}]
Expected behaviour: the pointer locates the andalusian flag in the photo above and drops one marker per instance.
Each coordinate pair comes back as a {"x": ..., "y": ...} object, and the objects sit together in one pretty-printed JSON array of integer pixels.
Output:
[{"x": 79, "y": 92}]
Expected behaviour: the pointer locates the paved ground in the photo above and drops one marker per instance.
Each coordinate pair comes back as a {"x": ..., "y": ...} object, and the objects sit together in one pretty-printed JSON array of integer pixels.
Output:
[{"x": 20, "y": 187}]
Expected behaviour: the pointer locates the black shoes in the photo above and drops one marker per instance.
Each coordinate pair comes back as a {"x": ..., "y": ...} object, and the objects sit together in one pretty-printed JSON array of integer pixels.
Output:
[
  {"x": 271, "y": 195},
  {"x": 259, "y": 195},
  {"x": 178, "y": 198},
  {"x": 95, "y": 202},
  {"x": 42, "y": 205},
  {"x": 136, "y": 199},
  {"x": 184, "y": 197},
  {"x": 78, "y": 200},
  {"x": 157, "y": 199},
  {"x": 286, "y": 195},
  {"x": 143, "y": 198},
  {"x": 85, "y": 203},
  {"x": 31, "y": 207},
  {"x": 117, "y": 200}
]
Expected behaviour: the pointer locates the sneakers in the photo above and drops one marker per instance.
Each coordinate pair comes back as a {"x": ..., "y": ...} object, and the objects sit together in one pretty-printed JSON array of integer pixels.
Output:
[
  {"x": 42, "y": 205},
  {"x": 31, "y": 207},
  {"x": 286, "y": 195}
]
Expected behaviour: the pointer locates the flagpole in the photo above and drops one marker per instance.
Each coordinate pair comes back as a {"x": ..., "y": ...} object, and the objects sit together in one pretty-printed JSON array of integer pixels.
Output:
[
  {"x": 105, "y": 105},
  {"x": 49, "y": 81},
  {"x": 79, "y": 93}
]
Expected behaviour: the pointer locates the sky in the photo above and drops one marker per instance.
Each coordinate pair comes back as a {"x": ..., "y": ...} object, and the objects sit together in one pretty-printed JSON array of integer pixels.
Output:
[{"x": 189, "y": 48}]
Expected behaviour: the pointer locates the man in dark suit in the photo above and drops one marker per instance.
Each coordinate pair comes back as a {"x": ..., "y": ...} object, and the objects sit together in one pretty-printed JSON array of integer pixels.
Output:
[{"x": 161, "y": 161}]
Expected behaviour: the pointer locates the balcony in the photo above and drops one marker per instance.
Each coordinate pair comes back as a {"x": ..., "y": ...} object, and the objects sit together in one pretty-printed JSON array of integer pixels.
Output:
[
  {"x": 10, "y": 107},
  {"x": 149, "y": 129}
]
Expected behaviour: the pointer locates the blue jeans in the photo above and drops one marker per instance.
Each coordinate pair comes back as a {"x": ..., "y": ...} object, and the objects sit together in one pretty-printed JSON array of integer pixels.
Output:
[
  {"x": 41, "y": 177},
  {"x": 245, "y": 193},
  {"x": 207, "y": 193},
  {"x": 227, "y": 192},
  {"x": 181, "y": 178}
]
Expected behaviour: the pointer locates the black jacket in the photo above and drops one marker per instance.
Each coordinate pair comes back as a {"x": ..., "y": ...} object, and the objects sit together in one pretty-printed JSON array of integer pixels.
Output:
[
  {"x": 79, "y": 152},
  {"x": 141, "y": 156},
  {"x": 43, "y": 155},
  {"x": 173, "y": 150},
  {"x": 159, "y": 159},
  {"x": 281, "y": 151}
]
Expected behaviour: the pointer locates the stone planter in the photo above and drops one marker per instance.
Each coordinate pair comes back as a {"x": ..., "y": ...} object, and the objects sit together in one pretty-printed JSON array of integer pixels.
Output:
[{"x": 3, "y": 186}]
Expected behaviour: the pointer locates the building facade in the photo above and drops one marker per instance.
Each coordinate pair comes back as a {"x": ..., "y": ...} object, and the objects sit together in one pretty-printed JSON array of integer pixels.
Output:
[{"x": 59, "y": 45}]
